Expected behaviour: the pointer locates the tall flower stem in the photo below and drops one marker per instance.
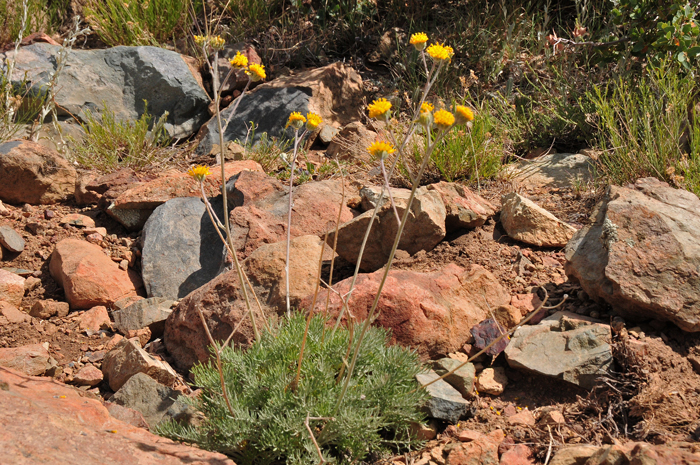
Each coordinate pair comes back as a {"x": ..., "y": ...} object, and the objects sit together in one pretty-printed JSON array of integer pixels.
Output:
[{"x": 289, "y": 216}]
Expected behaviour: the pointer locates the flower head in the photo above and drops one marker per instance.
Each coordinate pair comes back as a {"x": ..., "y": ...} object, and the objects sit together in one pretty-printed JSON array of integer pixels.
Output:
[
  {"x": 380, "y": 109},
  {"x": 199, "y": 40},
  {"x": 439, "y": 52},
  {"x": 444, "y": 119},
  {"x": 199, "y": 172},
  {"x": 313, "y": 121},
  {"x": 217, "y": 42},
  {"x": 256, "y": 72},
  {"x": 239, "y": 61},
  {"x": 380, "y": 149},
  {"x": 425, "y": 118},
  {"x": 419, "y": 40},
  {"x": 463, "y": 114},
  {"x": 296, "y": 120}
]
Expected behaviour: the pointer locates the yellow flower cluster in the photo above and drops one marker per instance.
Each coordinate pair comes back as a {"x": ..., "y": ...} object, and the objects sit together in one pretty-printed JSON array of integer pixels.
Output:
[
  {"x": 256, "y": 72},
  {"x": 463, "y": 114},
  {"x": 425, "y": 118},
  {"x": 419, "y": 41},
  {"x": 199, "y": 172},
  {"x": 426, "y": 107},
  {"x": 380, "y": 149},
  {"x": 380, "y": 109},
  {"x": 313, "y": 121},
  {"x": 443, "y": 119},
  {"x": 296, "y": 120},
  {"x": 216, "y": 42},
  {"x": 439, "y": 52},
  {"x": 239, "y": 61}
]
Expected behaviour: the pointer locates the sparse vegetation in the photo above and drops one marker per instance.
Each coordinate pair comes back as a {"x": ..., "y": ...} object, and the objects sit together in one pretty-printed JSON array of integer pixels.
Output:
[{"x": 111, "y": 143}]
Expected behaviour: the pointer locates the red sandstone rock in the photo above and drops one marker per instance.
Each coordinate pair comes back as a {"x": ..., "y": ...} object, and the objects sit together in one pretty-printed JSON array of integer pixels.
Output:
[
  {"x": 94, "y": 319},
  {"x": 11, "y": 288},
  {"x": 11, "y": 314},
  {"x": 31, "y": 359},
  {"x": 517, "y": 455},
  {"x": 44, "y": 421},
  {"x": 429, "y": 312},
  {"x": 88, "y": 276},
  {"x": 88, "y": 376}
]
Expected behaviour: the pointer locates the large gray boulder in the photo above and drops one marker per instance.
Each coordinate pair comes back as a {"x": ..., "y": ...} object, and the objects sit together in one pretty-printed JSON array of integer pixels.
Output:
[
  {"x": 121, "y": 79},
  {"x": 181, "y": 249},
  {"x": 334, "y": 92},
  {"x": 564, "y": 346},
  {"x": 642, "y": 253}
]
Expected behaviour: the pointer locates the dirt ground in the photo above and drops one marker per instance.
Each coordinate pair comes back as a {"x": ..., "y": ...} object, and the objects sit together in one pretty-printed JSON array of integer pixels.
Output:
[{"x": 653, "y": 395}]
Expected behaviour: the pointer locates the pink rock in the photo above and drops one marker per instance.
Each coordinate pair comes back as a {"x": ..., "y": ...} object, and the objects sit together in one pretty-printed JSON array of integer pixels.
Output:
[
  {"x": 523, "y": 418},
  {"x": 465, "y": 209},
  {"x": 526, "y": 303},
  {"x": 94, "y": 319},
  {"x": 126, "y": 414},
  {"x": 45, "y": 309},
  {"x": 88, "y": 376},
  {"x": 11, "y": 314},
  {"x": 54, "y": 423},
  {"x": 261, "y": 213},
  {"x": 143, "y": 335},
  {"x": 128, "y": 358},
  {"x": 11, "y": 288},
  {"x": 33, "y": 174},
  {"x": 31, "y": 359},
  {"x": 519, "y": 454},
  {"x": 429, "y": 312},
  {"x": 133, "y": 206},
  {"x": 527, "y": 222},
  {"x": 78, "y": 220},
  {"x": 482, "y": 450},
  {"x": 88, "y": 276}
]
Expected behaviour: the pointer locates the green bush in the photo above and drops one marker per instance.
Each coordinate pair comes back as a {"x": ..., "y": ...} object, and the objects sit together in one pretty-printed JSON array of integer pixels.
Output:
[
  {"x": 137, "y": 22},
  {"x": 268, "y": 422},
  {"x": 110, "y": 143},
  {"x": 645, "y": 128}
]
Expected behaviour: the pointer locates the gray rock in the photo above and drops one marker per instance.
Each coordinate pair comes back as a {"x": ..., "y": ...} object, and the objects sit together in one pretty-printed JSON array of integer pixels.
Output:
[
  {"x": 269, "y": 108},
  {"x": 147, "y": 312},
  {"x": 564, "y": 346},
  {"x": 327, "y": 133},
  {"x": 121, "y": 79},
  {"x": 11, "y": 240},
  {"x": 462, "y": 379},
  {"x": 181, "y": 249},
  {"x": 554, "y": 170},
  {"x": 527, "y": 222},
  {"x": 446, "y": 402},
  {"x": 641, "y": 254},
  {"x": 157, "y": 403}
]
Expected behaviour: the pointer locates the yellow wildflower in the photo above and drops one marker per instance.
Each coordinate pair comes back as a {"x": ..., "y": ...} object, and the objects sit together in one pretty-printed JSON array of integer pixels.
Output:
[
  {"x": 443, "y": 119},
  {"x": 199, "y": 172},
  {"x": 296, "y": 120},
  {"x": 380, "y": 149},
  {"x": 199, "y": 40},
  {"x": 439, "y": 52},
  {"x": 239, "y": 61},
  {"x": 425, "y": 118},
  {"x": 313, "y": 121},
  {"x": 217, "y": 42},
  {"x": 380, "y": 109},
  {"x": 256, "y": 72},
  {"x": 419, "y": 41},
  {"x": 463, "y": 114}
]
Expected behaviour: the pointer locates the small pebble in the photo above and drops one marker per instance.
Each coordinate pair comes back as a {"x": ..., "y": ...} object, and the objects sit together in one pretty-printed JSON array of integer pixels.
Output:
[{"x": 49, "y": 214}]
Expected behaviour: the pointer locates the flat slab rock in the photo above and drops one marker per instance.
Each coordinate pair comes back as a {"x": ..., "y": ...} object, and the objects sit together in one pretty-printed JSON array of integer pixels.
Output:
[
  {"x": 527, "y": 222},
  {"x": 642, "y": 253},
  {"x": 44, "y": 421},
  {"x": 554, "y": 170},
  {"x": 10, "y": 239},
  {"x": 446, "y": 403},
  {"x": 564, "y": 346}
]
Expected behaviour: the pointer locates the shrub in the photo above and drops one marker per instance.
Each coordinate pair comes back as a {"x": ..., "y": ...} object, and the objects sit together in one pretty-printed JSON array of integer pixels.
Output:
[
  {"x": 645, "y": 128},
  {"x": 473, "y": 154},
  {"x": 268, "y": 425},
  {"x": 110, "y": 143},
  {"x": 135, "y": 22},
  {"x": 42, "y": 15}
]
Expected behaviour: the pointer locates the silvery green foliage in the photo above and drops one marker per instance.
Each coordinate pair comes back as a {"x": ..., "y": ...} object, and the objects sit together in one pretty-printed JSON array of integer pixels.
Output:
[{"x": 268, "y": 423}]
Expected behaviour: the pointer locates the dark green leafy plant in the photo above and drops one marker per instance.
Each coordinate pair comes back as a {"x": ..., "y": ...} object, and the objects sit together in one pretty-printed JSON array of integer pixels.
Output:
[{"x": 268, "y": 425}]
